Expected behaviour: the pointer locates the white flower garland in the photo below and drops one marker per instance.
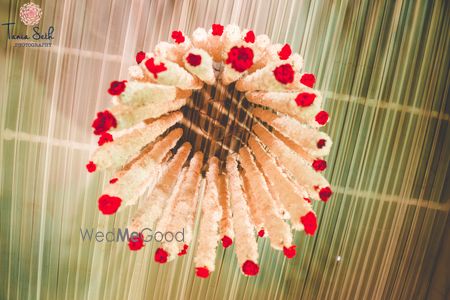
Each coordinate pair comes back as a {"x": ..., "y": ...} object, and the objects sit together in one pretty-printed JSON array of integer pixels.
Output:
[
  {"x": 129, "y": 186},
  {"x": 226, "y": 224},
  {"x": 173, "y": 74},
  {"x": 313, "y": 141},
  {"x": 152, "y": 207},
  {"x": 285, "y": 103},
  {"x": 288, "y": 193},
  {"x": 256, "y": 215},
  {"x": 183, "y": 213},
  {"x": 204, "y": 69},
  {"x": 265, "y": 80},
  {"x": 278, "y": 231},
  {"x": 304, "y": 174},
  {"x": 116, "y": 153},
  {"x": 127, "y": 116},
  {"x": 246, "y": 247},
  {"x": 211, "y": 214}
]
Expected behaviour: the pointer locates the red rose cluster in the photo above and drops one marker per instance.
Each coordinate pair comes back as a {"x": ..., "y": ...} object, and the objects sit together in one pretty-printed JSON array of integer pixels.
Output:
[
  {"x": 240, "y": 58},
  {"x": 217, "y": 29},
  {"x": 309, "y": 221},
  {"x": 154, "y": 68},
  {"x": 117, "y": 87},
  {"x": 108, "y": 205},
  {"x": 284, "y": 74},
  {"x": 194, "y": 59},
  {"x": 178, "y": 37},
  {"x": 305, "y": 99},
  {"x": 104, "y": 121}
]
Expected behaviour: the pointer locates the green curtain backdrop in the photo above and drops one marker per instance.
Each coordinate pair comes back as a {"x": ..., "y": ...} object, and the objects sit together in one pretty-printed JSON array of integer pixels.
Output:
[{"x": 383, "y": 67}]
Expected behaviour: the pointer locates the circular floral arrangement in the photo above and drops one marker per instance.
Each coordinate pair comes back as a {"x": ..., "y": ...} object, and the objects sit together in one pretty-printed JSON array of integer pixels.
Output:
[
  {"x": 30, "y": 14},
  {"x": 229, "y": 106}
]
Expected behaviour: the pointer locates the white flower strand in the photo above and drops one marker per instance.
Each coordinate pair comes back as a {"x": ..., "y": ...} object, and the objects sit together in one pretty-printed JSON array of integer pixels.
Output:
[
  {"x": 304, "y": 174},
  {"x": 116, "y": 153},
  {"x": 129, "y": 186},
  {"x": 287, "y": 192},
  {"x": 174, "y": 75},
  {"x": 144, "y": 93},
  {"x": 208, "y": 42},
  {"x": 173, "y": 52},
  {"x": 204, "y": 71},
  {"x": 271, "y": 55},
  {"x": 254, "y": 203},
  {"x": 246, "y": 246},
  {"x": 153, "y": 205},
  {"x": 285, "y": 103},
  {"x": 226, "y": 224},
  {"x": 166, "y": 216},
  {"x": 229, "y": 74},
  {"x": 211, "y": 214},
  {"x": 264, "y": 80},
  {"x": 301, "y": 134},
  {"x": 127, "y": 116},
  {"x": 278, "y": 231},
  {"x": 183, "y": 213},
  {"x": 231, "y": 36}
]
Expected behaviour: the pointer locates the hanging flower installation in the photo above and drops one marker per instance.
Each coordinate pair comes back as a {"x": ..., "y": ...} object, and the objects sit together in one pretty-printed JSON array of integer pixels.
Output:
[{"x": 228, "y": 106}]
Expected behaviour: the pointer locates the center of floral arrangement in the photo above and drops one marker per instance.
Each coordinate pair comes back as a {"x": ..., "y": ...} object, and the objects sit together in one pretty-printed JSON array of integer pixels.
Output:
[
  {"x": 232, "y": 109},
  {"x": 217, "y": 121}
]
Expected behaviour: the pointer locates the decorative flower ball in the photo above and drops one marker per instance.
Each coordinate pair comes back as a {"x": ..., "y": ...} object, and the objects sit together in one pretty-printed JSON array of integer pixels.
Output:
[
  {"x": 227, "y": 106},
  {"x": 30, "y": 14}
]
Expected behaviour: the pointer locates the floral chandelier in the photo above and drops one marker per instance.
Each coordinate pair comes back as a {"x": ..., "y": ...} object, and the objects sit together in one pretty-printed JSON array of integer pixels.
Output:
[{"x": 228, "y": 106}]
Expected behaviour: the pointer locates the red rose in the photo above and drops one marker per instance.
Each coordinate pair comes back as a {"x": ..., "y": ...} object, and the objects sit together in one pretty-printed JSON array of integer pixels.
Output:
[
  {"x": 322, "y": 117},
  {"x": 104, "y": 121},
  {"x": 140, "y": 56},
  {"x": 178, "y": 37},
  {"x": 91, "y": 167},
  {"x": 226, "y": 241},
  {"x": 240, "y": 58},
  {"x": 117, "y": 88},
  {"x": 184, "y": 250},
  {"x": 308, "y": 80},
  {"x": 309, "y": 221},
  {"x": 217, "y": 29},
  {"x": 202, "y": 272},
  {"x": 325, "y": 194},
  {"x": 285, "y": 52},
  {"x": 261, "y": 233},
  {"x": 108, "y": 205},
  {"x": 161, "y": 255},
  {"x": 319, "y": 165},
  {"x": 105, "y": 138},
  {"x": 305, "y": 99},
  {"x": 194, "y": 59},
  {"x": 284, "y": 74},
  {"x": 321, "y": 143},
  {"x": 250, "y": 268},
  {"x": 113, "y": 180},
  {"x": 289, "y": 252},
  {"x": 136, "y": 242},
  {"x": 250, "y": 37},
  {"x": 154, "y": 69}
]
